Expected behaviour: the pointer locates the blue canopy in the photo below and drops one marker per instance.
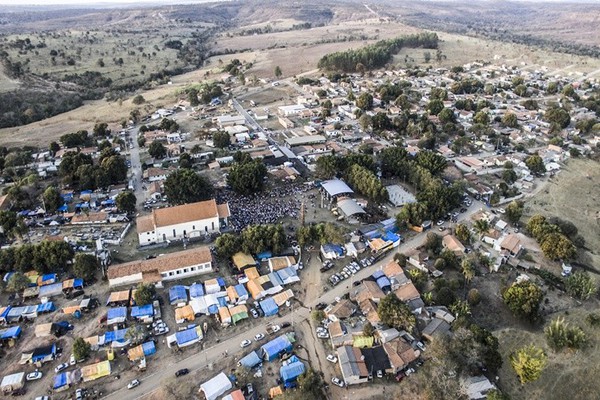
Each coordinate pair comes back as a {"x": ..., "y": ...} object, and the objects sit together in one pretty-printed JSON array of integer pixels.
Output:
[
  {"x": 117, "y": 313},
  {"x": 221, "y": 282},
  {"x": 48, "y": 279},
  {"x": 115, "y": 336},
  {"x": 250, "y": 360},
  {"x": 383, "y": 282},
  {"x": 108, "y": 202},
  {"x": 142, "y": 311},
  {"x": 63, "y": 208},
  {"x": 77, "y": 283},
  {"x": 10, "y": 333},
  {"x": 67, "y": 196},
  {"x": 377, "y": 274},
  {"x": 189, "y": 335},
  {"x": 264, "y": 255},
  {"x": 269, "y": 306},
  {"x": 213, "y": 309},
  {"x": 60, "y": 380},
  {"x": 5, "y": 312},
  {"x": 275, "y": 347},
  {"x": 177, "y": 294},
  {"x": 333, "y": 247},
  {"x": 46, "y": 307},
  {"x": 222, "y": 301},
  {"x": 50, "y": 290},
  {"x": 83, "y": 192},
  {"x": 149, "y": 348},
  {"x": 241, "y": 290},
  {"x": 391, "y": 236},
  {"x": 196, "y": 290},
  {"x": 292, "y": 371},
  {"x": 275, "y": 279}
]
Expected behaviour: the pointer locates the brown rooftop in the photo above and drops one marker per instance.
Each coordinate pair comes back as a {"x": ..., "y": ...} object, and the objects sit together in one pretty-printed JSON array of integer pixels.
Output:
[
  {"x": 407, "y": 292},
  {"x": 160, "y": 264},
  {"x": 181, "y": 214}
]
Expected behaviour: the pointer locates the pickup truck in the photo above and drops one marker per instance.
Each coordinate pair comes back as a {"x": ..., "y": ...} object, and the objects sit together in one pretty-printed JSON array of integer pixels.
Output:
[{"x": 271, "y": 329}]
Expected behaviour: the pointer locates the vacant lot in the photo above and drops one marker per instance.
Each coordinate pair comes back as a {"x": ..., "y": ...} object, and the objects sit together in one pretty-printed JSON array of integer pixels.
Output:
[{"x": 573, "y": 195}]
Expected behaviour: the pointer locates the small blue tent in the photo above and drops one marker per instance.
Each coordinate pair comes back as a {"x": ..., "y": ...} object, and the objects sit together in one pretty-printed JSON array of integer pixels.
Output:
[
  {"x": 142, "y": 311},
  {"x": 269, "y": 306},
  {"x": 250, "y": 360},
  {"x": 177, "y": 294},
  {"x": 275, "y": 347},
  {"x": 291, "y": 372},
  {"x": 196, "y": 290}
]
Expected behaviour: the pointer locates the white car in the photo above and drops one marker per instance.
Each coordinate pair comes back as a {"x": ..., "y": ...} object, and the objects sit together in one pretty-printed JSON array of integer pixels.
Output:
[
  {"x": 276, "y": 328},
  {"x": 331, "y": 358},
  {"x": 501, "y": 210},
  {"x": 245, "y": 343},
  {"x": 323, "y": 335},
  {"x": 259, "y": 336},
  {"x": 440, "y": 222},
  {"x": 34, "y": 376},
  {"x": 61, "y": 367},
  {"x": 133, "y": 383},
  {"x": 338, "y": 382}
]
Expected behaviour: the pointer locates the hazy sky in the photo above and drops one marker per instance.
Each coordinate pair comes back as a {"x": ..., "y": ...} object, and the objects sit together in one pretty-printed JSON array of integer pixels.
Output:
[{"x": 94, "y": 2}]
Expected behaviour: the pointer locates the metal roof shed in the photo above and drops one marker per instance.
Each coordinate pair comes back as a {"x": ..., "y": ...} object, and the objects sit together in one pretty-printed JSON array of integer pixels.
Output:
[{"x": 336, "y": 187}]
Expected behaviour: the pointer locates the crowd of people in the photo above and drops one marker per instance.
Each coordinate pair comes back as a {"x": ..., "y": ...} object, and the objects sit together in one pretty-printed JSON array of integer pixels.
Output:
[{"x": 268, "y": 207}]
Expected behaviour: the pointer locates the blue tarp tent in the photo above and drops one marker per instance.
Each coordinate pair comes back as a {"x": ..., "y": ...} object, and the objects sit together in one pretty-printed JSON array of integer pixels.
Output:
[
  {"x": 222, "y": 301},
  {"x": 60, "y": 380},
  {"x": 4, "y": 314},
  {"x": 275, "y": 279},
  {"x": 250, "y": 360},
  {"x": 264, "y": 255},
  {"x": 51, "y": 290},
  {"x": 67, "y": 196},
  {"x": 48, "y": 279},
  {"x": 269, "y": 306},
  {"x": 63, "y": 208},
  {"x": 43, "y": 353},
  {"x": 116, "y": 315},
  {"x": 383, "y": 282},
  {"x": 241, "y": 291},
  {"x": 149, "y": 348},
  {"x": 177, "y": 294},
  {"x": 213, "y": 309},
  {"x": 196, "y": 290},
  {"x": 187, "y": 337},
  {"x": 14, "y": 313},
  {"x": 275, "y": 347},
  {"x": 221, "y": 282},
  {"x": 142, "y": 311},
  {"x": 391, "y": 236},
  {"x": 46, "y": 307},
  {"x": 10, "y": 333},
  {"x": 115, "y": 336},
  {"x": 327, "y": 248},
  {"x": 77, "y": 283},
  {"x": 377, "y": 274},
  {"x": 290, "y": 372}
]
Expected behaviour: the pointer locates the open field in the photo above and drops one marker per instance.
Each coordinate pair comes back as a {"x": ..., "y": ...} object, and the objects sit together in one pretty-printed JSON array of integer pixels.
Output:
[{"x": 573, "y": 195}]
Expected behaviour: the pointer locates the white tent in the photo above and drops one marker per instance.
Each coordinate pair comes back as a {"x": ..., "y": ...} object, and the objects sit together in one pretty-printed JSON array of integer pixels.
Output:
[
  {"x": 12, "y": 382},
  {"x": 216, "y": 386}
]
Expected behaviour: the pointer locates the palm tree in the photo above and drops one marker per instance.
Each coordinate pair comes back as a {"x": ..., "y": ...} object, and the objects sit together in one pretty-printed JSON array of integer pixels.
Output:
[
  {"x": 482, "y": 226},
  {"x": 467, "y": 271}
]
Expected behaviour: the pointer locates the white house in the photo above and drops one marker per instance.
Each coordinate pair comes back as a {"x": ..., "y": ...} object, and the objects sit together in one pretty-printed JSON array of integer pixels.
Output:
[
  {"x": 179, "y": 222},
  {"x": 172, "y": 266},
  {"x": 295, "y": 109}
]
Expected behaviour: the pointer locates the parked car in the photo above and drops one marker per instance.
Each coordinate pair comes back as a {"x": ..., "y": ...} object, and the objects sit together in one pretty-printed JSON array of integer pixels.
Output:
[
  {"x": 285, "y": 325},
  {"x": 134, "y": 383},
  {"x": 440, "y": 222},
  {"x": 19, "y": 392},
  {"x": 253, "y": 313},
  {"x": 42, "y": 398},
  {"x": 275, "y": 328},
  {"x": 34, "y": 376},
  {"x": 331, "y": 358},
  {"x": 338, "y": 382},
  {"x": 259, "y": 336},
  {"x": 181, "y": 372},
  {"x": 61, "y": 367},
  {"x": 79, "y": 394},
  {"x": 245, "y": 343},
  {"x": 321, "y": 306},
  {"x": 380, "y": 374},
  {"x": 323, "y": 335},
  {"x": 249, "y": 389}
]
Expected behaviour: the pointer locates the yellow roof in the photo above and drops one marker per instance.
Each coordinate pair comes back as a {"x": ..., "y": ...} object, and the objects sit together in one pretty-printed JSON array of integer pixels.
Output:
[
  {"x": 251, "y": 273},
  {"x": 281, "y": 298},
  {"x": 275, "y": 391},
  {"x": 224, "y": 315},
  {"x": 123, "y": 295},
  {"x": 95, "y": 371},
  {"x": 71, "y": 309},
  {"x": 232, "y": 293},
  {"x": 136, "y": 353},
  {"x": 185, "y": 312},
  {"x": 241, "y": 260}
]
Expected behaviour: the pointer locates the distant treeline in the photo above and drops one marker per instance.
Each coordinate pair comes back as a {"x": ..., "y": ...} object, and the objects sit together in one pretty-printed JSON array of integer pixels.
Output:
[
  {"x": 376, "y": 55},
  {"x": 20, "y": 107}
]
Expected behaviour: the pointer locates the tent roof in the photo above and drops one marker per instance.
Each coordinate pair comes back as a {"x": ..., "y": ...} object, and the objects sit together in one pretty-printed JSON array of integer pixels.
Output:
[
  {"x": 335, "y": 187},
  {"x": 216, "y": 386},
  {"x": 142, "y": 311},
  {"x": 250, "y": 360},
  {"x": 241, "y": 260},
  {"x": 196, "y": 290},
  {"x": 10, "y": 333},
  {"x": 185, "y": 313},
  {"x": 13, "y": 380},
  {"x": 291, "y": 371},
  {"x": 121, "y": 296},
  {"x": 350, "y": 207},
  {"x": 189, "y": 335},
  {"x": 177, "y": 293},
  {"x": 116, "y": 313}
]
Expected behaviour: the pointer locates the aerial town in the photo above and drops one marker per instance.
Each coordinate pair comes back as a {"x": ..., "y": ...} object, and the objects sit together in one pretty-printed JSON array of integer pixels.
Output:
[{"x": 326, "y": 235}]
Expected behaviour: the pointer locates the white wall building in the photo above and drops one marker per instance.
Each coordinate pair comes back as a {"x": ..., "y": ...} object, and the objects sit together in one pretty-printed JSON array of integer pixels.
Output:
[
  {"x": 172, "y": 266},
  {"x": 179, "y": 222}
]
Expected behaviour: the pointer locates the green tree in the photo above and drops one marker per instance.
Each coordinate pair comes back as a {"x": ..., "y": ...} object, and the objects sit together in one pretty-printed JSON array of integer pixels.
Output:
[
  {"x": 221, "y": 139},
  {"x": 481, "y": 226},
  {"x": 521, "y": 90},
  {"x": 52, "y": 199},
  {"x": 141, "y": 140},
  {"x": 467, "y": 270},
  {"x": 368, "y": 329},
  {"x": 558, "y": 117},
  {"x": 157, "y": 150},
  {"x": 139, "y": 99},
  {"x": 523, "y": 298},
  {"x": 482, "y": 118},
  {"x": 535, "y": 164},
  {"x": 126, "y": 201},
  {"x": 365, "y": 121},
  {"x": 462, "y": 233},
  {"x": 431, "y": 161},
  {"x": 85, "y": 266},
  {"x": 446, "y": 115},
  {"x": 136, "y": 334},
  {"x": 552, "y": 88},
  {"x": 364, "y": 101},
  {"x": 514, "y": 211},
  {"x": 17, "y": 282},
  {"x": 318, "y": 315},
  {"x": 581, "y": 285},
  {"x": 395, "y": 314},
  {"x": 144, "y": 294},
  {"x": 185, "y": 161},
  {"x": 193, "y": 97},
  {"x": 11, "y": 224},
  {"x": 81, "y": 349},
  {"x": 510, "y": 120},
  {"x": 115, "y": 168},
  {"x": 473, "y": 297},
  {"x": 310, "y": 384},
  {"x": 101, "y": 129},
  {"x": 560, "y": 335},
  {"x": 557, "y": 246},
  {"x": 227, "y": 245},
  {"x": 184, "y": 186},
  {"x": 278, "y": 73},
  {"x": 509, "y": 176},
  {"x": 247, "y": 177},
  {"x": 435, "y": 107},
  {"x": 529, "y": 363}
]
